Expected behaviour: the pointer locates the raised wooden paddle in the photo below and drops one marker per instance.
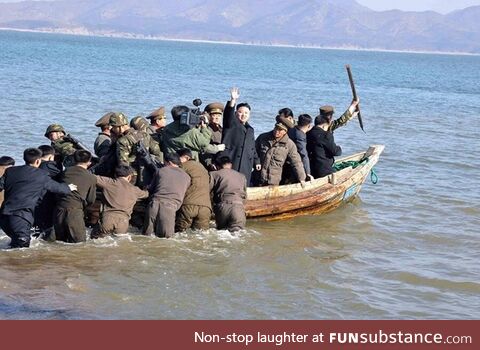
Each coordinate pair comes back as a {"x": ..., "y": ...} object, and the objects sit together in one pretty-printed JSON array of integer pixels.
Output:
[{"x": 354, "y": 92}]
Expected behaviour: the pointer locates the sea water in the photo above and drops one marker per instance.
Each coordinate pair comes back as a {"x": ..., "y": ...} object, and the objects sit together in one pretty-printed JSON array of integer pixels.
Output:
[{"x": 406, "y": 248}]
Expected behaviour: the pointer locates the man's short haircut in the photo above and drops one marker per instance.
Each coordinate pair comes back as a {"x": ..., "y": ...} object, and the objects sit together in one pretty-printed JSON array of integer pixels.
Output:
[
  {"x": 82, "y": 156},
  {"x": 177, "y": 111},
  {"x": 304, "y": 120},
  {"x": 172, "y": 158},
  {"x": 7, "y": 161},
  {"x": 105, "y": 127},
  {"x": 123, "y": 171},
  {"x": 47, "y": 150},
  {"x": 185, "y": 152},
  {"x": 287, "y": 112},
  {"x": 30, "y": 155},
  {"x": 223, "y": 160},
  {"x": 322, "y": 119},
  {"x": 244, "y": 104}
]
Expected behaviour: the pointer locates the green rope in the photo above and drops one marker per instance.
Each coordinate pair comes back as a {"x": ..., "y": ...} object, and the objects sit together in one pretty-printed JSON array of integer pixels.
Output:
[
  {"x": 354, "y": 164},
  {"x": 373, "y": 176},
  {"x": 346, "y": 164}
]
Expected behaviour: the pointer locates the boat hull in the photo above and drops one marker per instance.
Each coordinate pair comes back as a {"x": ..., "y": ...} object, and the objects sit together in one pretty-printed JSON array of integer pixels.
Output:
[{"x": 315, "y": 197}]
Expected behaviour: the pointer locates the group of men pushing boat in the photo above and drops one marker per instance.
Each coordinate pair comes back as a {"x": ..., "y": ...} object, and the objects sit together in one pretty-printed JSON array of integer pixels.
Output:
[{"x": 199, "y": 163}]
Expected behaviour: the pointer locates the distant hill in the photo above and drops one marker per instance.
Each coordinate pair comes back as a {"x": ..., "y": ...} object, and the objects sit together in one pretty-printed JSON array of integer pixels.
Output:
[{"x": 327, "y": 23}]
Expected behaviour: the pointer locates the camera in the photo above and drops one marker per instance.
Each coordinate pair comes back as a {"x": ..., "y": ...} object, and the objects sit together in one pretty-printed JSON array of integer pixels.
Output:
[{"x": 193, "y": 116}]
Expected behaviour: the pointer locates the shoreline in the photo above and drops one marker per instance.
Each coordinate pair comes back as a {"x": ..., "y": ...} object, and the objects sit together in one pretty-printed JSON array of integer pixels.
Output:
[{"x": 115, "y": 35}]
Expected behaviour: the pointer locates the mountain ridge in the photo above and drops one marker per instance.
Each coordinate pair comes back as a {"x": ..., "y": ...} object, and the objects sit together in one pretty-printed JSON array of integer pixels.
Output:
[{"x": 321, "y": 23}]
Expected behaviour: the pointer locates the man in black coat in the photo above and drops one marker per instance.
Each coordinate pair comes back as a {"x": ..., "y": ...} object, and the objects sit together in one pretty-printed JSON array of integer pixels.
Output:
[
  {"x": 321, "y": 145},
  {"x": 24, "y": 186},
  {"x": 239, "y": 137},
  {"x": 298, "y": 135},
  {"x": 46, "y": 205},
  {"x": 69, "y": 218}
]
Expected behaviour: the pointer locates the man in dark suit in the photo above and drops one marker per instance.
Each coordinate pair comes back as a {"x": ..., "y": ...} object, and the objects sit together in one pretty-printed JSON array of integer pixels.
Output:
[
  {"x": 321, "y": 146},
  {"x": 298, "y": 135},
  {"x": 70, "y": 211},
  {"x": 239, "y": 137},
  {"x": 46, "y": 205},
  {"x": 24, "y": 186}
]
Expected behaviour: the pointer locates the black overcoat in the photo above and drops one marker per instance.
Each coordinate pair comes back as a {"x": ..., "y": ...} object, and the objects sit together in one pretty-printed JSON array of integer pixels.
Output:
[
  {"x": 321, "y": 149},
  {"x": 239, "y": 140}
]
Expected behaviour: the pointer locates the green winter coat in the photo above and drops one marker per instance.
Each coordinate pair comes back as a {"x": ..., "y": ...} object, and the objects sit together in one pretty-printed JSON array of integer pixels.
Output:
[{"x": 176, "y": 136}]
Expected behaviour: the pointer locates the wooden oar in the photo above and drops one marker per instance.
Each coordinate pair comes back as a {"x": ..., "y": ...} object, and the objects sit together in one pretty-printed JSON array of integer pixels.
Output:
[{"x": 354, "y": 92}]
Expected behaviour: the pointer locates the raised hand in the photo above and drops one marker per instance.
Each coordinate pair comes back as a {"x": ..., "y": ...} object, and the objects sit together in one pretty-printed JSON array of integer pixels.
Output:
[{"x": 234, "y": 93}]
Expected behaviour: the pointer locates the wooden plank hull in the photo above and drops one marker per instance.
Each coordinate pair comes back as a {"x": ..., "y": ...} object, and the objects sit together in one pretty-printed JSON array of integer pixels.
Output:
[{"x": 316, "y": 197}]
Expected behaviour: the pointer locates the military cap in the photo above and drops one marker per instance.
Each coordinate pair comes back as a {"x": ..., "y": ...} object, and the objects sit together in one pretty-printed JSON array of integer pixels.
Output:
[
  {"x": 214, "y": 108},
  {"x": 104, "y": 120},
  {"x": 118, "y": 119},
  {"x": 284, "y": 123},
  {"x": 54, "y": 128},
  {"x": 156, "y": 114},
  {"x": 139, "y": 123},
  {"x": 326, "y": 110}
]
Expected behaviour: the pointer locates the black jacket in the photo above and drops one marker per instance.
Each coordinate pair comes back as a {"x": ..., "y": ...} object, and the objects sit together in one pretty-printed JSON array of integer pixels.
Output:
[
  {"x": 46, "y": 205},
  {"x": 24, "y": 186},
  {"x": 86, "y": 184},
  {"x": 300, "y": 140},
  {"x": 239, "y": 143},
  {"x": 321, "y": 149},
  {"x": 52, "y": 167}
]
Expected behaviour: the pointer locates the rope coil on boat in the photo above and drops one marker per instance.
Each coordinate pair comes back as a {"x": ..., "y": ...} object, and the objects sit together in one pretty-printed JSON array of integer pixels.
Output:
[{"x": 354, "y": 164}]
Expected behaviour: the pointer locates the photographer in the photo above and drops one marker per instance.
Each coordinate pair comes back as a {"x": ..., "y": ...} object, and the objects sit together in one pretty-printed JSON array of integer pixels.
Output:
[{"x": 181, "y": 134}]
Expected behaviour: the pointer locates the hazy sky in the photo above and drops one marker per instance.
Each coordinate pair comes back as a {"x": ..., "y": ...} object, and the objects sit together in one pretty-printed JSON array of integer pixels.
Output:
[{"x": 442, "y": 6}]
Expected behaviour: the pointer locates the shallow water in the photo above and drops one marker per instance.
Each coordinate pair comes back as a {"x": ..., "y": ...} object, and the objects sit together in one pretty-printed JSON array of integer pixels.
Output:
[{"x": 405, "y": 248}]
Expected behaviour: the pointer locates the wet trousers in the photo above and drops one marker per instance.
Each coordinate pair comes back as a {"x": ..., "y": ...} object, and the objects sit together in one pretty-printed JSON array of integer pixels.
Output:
[
  {"x": 70, "y": 225},
  {"x": 230, "y": 216},
  {"x": 18, "y": 229},
  {"x": 160, "y": 218},
  {"x": 193, "y": 216},
  {"x": 110, "y": 223}
]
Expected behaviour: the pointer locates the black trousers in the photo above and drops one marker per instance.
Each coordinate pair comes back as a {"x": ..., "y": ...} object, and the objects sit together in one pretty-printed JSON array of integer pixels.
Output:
[
  {"x": 69, "y": 225},
  {"x": 18, "y": 229}
]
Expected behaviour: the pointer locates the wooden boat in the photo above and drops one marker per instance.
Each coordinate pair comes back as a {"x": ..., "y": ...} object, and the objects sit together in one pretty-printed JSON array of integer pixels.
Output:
[
  {"x": 283, "y": 202},
  {"x": 315, "y": 197}
]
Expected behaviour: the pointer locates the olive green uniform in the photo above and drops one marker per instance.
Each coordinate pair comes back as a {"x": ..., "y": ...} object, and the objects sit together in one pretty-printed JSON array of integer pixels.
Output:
[
  {"x": 196, "y": 209},
  {"x": 127, "y": 146},
  {"x": 64, "y": 151},
  {"x": 229, "y": 190},
  {"x": 339, "y": 122},
  {"x": 120, "y": 198},
  {"x": 69, "y": 214},
  {"x": 126, "y": 151}
]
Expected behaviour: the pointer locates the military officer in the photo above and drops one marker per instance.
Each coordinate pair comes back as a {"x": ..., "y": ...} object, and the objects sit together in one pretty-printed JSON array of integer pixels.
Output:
[
  {"x": 127, "y": 146},
  {"x": 349, "y": 114},
  {"x": 158, "y": 120},
  {"x": 103, "y": 141},
  {"x": 140, "y": 123},
  {"x": 214, "y": 111},
  {"x": 215, "y": 115},
  {"x": 321, "y": 146},
  {"x": 274, "y": 148}
]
